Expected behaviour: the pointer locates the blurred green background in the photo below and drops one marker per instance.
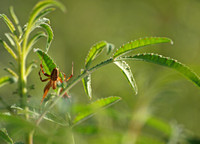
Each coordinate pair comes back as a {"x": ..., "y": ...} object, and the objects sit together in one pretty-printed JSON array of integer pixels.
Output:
[{"x": 168, "y": 95}]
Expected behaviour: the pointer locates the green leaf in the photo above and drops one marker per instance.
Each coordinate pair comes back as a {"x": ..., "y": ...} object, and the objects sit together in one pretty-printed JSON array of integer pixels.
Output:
[
  {"x": 6, "y": 80},
  {"x": 30, "y": 67},
  {"x": 140, "y": 43},
  {"x": 168, "y": 62},
  {"x": 94, "y": 52},
  {"x": 8, "y": 22},
  {"x": 49, "y": 31},
  {"x": 47, "y": 61},
  {"x": 159, "y": 125},
  {"x": 40, "y": 7},
  {"x": 34, "y": 39},
  {"x": 12, "y": 53},
  {"x": 15, "y": 20},
  {"x": 4, "y": 135},
  {"x": 92, "y": 108},
  {"x": 128, "y": 74},
  {"x": 87, "y": 85},
  {"x": 44, "y": 12},
  {"x": 9, "y": 37},
  {"x": 10, "y": 71}
]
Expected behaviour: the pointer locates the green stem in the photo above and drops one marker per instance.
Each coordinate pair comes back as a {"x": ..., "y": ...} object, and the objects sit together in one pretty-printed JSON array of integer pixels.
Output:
[{"x": 71, "y": 84}]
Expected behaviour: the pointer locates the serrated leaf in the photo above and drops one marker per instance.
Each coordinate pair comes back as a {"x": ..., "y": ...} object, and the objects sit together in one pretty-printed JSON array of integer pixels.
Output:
[
  {"x": 4, "y": 135},
  {"x": 92, "y": 108},
  {"x": 87, "y": 85},
  {"x": 47, "y": 61},
  {"x": 7, "y": 47},
  {"x": 95, "y": 50},
  {"x": 167, "y": 62},
  {"x": 6, "y": 80},
  {"x": 140, "y": 43},
  {"x": 128, "y": 74},
  {"x": 34, "y": 39},
  {"x": 8, "y": 22}
]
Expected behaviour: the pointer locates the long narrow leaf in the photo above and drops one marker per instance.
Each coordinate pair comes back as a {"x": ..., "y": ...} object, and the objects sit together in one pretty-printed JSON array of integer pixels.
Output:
[
  {"x": 128, "y": 74},
  {"x": 44, "y": 12},
  {"x": 10, "y": 71},
  {"x": 8, "y": 22},
  {"x": 94, "y": 52},
  {"x": 49, "y": 31},
  {"x": 6, "y": 80},
  {"x": 140, "y": 43},
  {"x": 12, "y": 53},
  {"x": 9, "y": 37},
  {"x": 15, "y": 20},
  {"x": 87, "y": 85},
  {"x": 168, "y": 62},
  {"x": 92, "y": 108},
  {"x": 4, "y": 135},
  {"x": 34, "y": 39},
  {"x": 40, "y": 7}
]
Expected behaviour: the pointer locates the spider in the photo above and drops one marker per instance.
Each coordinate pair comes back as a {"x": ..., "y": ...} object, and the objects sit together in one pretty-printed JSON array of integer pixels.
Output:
[{"x": 53, "y": 79}]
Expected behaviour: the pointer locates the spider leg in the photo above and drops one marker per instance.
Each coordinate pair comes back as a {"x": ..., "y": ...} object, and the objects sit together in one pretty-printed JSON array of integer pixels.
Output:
[
  {"x": 43, "y": 71},
  {"x": 71, "y": 73},
  {"x": 46, "y": 89},
  {"x": 43, "y": 80}
]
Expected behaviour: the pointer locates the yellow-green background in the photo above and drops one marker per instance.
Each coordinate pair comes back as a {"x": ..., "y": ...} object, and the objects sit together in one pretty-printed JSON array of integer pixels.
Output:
[{"x": 119, "y": 21}]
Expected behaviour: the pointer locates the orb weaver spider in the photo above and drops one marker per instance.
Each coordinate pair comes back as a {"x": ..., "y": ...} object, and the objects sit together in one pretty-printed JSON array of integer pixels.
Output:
[{"x": 53, "y": 79}]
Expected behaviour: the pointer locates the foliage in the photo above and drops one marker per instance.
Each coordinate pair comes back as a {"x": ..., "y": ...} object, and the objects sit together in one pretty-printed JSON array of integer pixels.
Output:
[{"x": 28, "y": 118}]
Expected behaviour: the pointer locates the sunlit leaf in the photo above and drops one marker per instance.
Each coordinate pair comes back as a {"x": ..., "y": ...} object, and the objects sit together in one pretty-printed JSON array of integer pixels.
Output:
[
  {"x": 87, "y": 85},
  {"x": 9, "y": 37},
  {"x": 8, "y": 22},
  {"x": 7, "y": 47},
  {"x": 140, "y": 43},
  {"x": 40, "y": 7},
  {"x": 4, "y": 135},
  {"x": 44, "y": 12},
  {"x": 128, "y": 74},
  {"x": 6, "y": 80},
  {"x": 168, "y": 62},
  {"x": 47, "y": 61},
  {"x": 94, "y": 52},
  {"x": 92, "y": 108}
]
